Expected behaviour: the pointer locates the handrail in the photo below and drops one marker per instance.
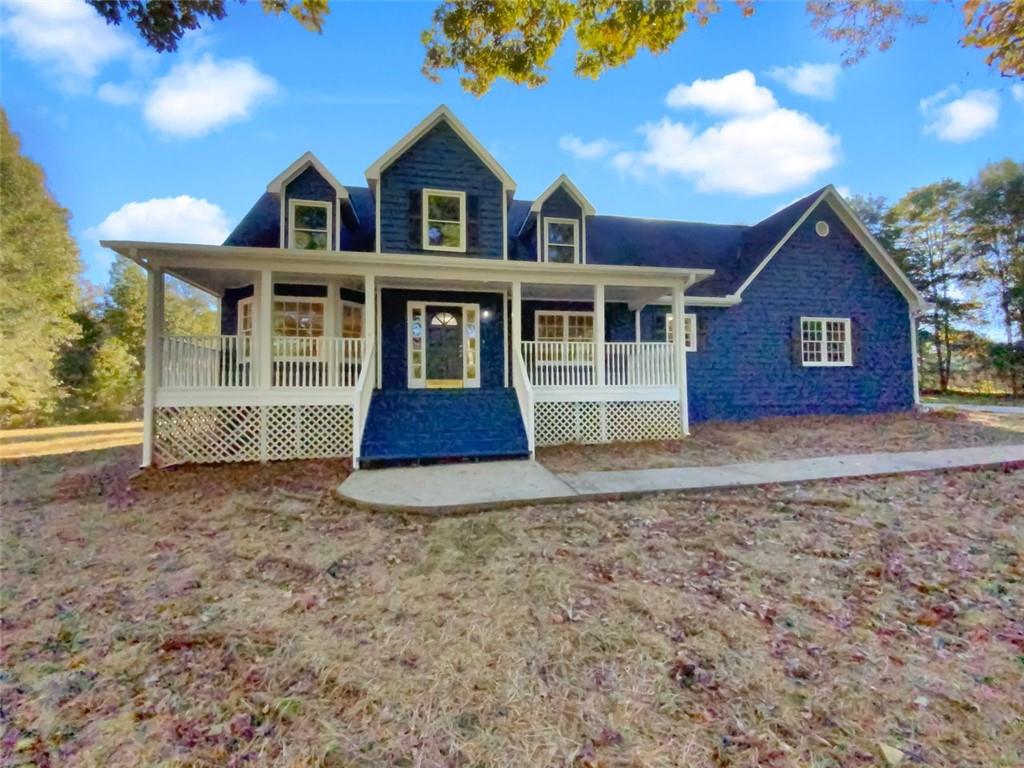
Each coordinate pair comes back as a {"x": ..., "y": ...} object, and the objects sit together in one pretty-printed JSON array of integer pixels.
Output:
[
  {"x": 524, "y": 394},
  {"x": 364, "y": 393},
  {"x": 573, "y": 364}
]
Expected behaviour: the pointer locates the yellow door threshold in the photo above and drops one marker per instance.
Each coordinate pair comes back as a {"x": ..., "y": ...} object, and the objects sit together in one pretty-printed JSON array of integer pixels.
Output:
[{"x": 444, "y": 384}]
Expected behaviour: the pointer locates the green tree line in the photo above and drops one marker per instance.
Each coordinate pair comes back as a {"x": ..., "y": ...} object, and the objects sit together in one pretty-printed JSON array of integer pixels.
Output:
[
  {"x": 963, "y": 247},
  {"x": 68, "y": 354}
]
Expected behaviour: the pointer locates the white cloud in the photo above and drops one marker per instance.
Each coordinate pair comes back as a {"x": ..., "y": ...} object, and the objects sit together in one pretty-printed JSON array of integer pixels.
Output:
[
  {"x": 586, "y": 150},
  {"x": 182, "y": 219},
  {"x": 960, "y": 119},
  {"x": 119, "y": 94},
  {"x": 750, "y": 155},
  {"x": 66, "y": 37},
  {"x": 816, "y": 80},
  {"x": 1018, "y": 92},
  {"x": 198, "y": 97},
  {"x": 734, "y": 94}
]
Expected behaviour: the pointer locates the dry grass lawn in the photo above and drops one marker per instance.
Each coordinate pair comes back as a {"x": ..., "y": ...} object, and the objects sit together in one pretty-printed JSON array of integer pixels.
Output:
[
  {"x": 715, "y": 443},
  {"x": 239, "y": 616},
  {"x": 51, "y": 441}
]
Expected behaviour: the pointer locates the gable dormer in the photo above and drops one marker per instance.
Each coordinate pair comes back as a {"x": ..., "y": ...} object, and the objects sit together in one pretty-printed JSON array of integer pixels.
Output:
[
  {"x": 439, "y": 191},
  {"x": 559, "y": 215},
  {"x": 314, "y": 206}
]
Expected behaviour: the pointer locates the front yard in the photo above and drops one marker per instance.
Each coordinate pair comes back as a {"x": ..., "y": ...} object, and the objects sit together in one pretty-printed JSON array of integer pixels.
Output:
[
  {"x": 241, "y": 616},
  {"x": 793, "y": 438}
]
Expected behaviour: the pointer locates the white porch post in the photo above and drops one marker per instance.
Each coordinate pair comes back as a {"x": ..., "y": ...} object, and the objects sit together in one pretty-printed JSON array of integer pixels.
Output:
[
  {"x": 370, "y": 319},
  {"x": 599, "y": 334},
  {"x": 265, "y": 328},
  {"x": 679, "y": 353},
  {"x": 516, "y": 320},
  {"x": 154, "y": 332}
]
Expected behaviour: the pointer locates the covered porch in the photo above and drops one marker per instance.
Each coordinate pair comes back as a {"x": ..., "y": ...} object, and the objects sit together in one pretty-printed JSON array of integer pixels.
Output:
[{"x": 307, "y": 340}]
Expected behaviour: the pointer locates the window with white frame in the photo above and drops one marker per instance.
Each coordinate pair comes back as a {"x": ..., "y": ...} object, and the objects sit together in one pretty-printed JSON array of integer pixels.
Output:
[
  {"x": 245, "y": 317},
  {"x": 298, "y": 327},
  {"x": 689, "y": 331},
  {"x": 351, "y": 320},
  {"x": 561, "y": 240},
  {"x": 825, "y": 341},
  {"x": 444, "y": 220},
  {"x": 565, "y": 328},
  {"x": 309, "y": 225}
]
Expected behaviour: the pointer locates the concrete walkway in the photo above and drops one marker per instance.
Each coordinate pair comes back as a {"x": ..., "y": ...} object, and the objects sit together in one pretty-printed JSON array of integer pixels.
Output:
[
  {"x": 1017, "y": 410},
  {"x": 488, "y": 485}
]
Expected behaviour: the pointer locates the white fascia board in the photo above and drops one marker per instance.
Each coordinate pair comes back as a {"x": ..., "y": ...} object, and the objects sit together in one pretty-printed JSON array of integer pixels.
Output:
[
  {"x": 277, "y": 185},
  {"x": 574, "y": 192},
  {"x": 441, "y": 113},
  {"x": 168, "y": 255}
]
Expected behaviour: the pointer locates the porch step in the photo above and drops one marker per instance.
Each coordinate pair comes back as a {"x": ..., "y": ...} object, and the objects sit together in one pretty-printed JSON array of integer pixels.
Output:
[{"x": 429, "y": 425}]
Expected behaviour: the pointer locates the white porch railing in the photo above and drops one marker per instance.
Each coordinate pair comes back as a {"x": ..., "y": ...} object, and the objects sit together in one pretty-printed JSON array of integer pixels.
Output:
[
  {"x": 574, "y": 364},
  {"x": 560, "y": 363},
  {"x": 228, "y": 362},
  {"x": 321, "y": 361},
  {"x": 361, "y": 404},
  {"x": 206, "y": 362},
  {"x": 524, "y": 394},
  {"x": 643, "y": 364}
]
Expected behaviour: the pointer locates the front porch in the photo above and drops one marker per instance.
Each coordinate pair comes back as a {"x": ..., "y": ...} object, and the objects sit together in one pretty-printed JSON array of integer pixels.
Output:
[{"x": 306, "y": 355}]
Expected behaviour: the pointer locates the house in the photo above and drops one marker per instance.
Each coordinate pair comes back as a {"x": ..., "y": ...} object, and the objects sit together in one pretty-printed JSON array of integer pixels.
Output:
[{"x": 431, "y": 314}]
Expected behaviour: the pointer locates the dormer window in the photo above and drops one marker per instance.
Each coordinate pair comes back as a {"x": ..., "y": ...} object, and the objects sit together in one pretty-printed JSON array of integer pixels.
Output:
[
  {"x": 309, "y": 225},
  {"x": 561, "y": 240},
  {"x": 444, "y": 220}
]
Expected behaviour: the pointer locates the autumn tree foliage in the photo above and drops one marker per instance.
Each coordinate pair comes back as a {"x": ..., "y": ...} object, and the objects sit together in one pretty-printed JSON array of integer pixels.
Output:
[{"x": 39, "y": 265}]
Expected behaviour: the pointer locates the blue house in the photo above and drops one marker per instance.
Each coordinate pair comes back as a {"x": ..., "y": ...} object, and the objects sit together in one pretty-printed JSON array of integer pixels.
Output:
[{"x": 431, "y": 314}]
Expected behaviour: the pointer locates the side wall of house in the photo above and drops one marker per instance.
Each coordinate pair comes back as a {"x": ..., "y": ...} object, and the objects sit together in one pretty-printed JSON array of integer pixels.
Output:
[
  {"x": 746, "y": 367},
  {"x": 440, "y": 160}
]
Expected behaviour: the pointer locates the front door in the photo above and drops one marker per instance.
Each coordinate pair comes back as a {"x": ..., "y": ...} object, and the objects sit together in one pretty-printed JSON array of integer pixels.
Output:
[{"x": 444, "y": 346}]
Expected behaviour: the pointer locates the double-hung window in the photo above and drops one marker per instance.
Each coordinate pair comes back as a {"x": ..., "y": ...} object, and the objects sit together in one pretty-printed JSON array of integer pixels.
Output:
[
  {"x": 689, "y": 331},
  {"x": 298, "y": 327},
  {"x": 246, "y": 320},
  {"x": 561, "y": 240},
  {"x": 309, "y": 225},
  {"x": 569, "y": 328},
  {"x": 444, "y": 220},
  {"x": 825, "y": 341}
]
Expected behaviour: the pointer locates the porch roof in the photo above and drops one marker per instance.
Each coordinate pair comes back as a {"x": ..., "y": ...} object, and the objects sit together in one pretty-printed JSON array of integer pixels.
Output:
[{"x": 215, "y": 267}]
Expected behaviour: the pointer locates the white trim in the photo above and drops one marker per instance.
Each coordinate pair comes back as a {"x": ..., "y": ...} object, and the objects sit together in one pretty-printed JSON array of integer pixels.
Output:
[
  {"x": 376, "y": 223},
  {"x": 505, "y": 318},
  {"x": 913, "y": 354},
  {"x": 688, "y": 317},
  {"x": 373, "y": 173},
  {"x": 169, "y": 397},
  {"x": 714, "y": 301},
  {"x": 425, "y": 196},
  {"x": 864, "y": 237},
  {"x": 847, "y": 360},
  {"x": 279, "y": 182},
  {"x": 421, "y": 382},
  {"x": 295, "y": 201},
  {"x": 604, "y": 394},
  {"x": 585, "y": 205},
  {"x": 679, "y": 310},
  {"x": 575, "y": 237}
]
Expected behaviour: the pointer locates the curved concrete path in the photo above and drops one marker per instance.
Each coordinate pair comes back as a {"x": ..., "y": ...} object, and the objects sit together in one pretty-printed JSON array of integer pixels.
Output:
[
  {"x": 488, "y": 485},
  {"x": 1011, "y": 410}
]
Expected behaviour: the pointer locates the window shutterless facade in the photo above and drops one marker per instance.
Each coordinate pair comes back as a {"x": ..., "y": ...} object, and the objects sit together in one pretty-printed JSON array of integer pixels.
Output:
[
  {"x": 444, "y": 220},
  {"x": 309, "y": 225},
  {"x": 689, "y": 331},
  {"x": 825, "y": 341},
  {"x": 562, "y": 240}
]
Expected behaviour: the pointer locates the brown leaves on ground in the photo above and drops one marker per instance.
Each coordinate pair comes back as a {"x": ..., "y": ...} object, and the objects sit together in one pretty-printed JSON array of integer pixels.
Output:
[
  {"x": 235, "y": 616},
  {"x": 723, "y": 442}
]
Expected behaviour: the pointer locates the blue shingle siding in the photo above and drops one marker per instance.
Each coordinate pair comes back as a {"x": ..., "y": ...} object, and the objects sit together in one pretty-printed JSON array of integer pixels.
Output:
[
  {"x": 310, "y": 185},
  {"x": 745, "y": 367},
  {"x": 394, "y": 333},
  {"x": 441, "y": 160}
]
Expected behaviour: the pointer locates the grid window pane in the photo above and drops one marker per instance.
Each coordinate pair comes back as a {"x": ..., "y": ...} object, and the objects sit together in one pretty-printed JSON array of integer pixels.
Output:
[
  {"x": 443, "y": 208},
  {"x": 298, "y": 318},
  {"x": 444, "y": 221},
  {"x": 310, "y": 241},
  {"x": 825, "y": 341},
  {"x": 580, "y": 327},
  {"x": 351, "y": 321},
  {"x": 561, "y": 233},
  {"x": 310, "y": 217},
  {"x": 550, "y": 327}
]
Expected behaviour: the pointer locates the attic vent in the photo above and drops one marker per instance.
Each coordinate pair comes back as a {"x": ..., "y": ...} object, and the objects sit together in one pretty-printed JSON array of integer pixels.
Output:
[{"x": 821, "y": 228}]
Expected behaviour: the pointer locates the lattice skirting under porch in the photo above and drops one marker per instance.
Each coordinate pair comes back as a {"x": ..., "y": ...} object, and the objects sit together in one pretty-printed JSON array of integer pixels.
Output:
[
  {"x": 211, "y": 434},
  {"x": 556, "y": 423}
]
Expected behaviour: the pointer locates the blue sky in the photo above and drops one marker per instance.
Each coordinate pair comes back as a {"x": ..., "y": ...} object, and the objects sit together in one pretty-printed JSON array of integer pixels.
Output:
[{"x": 727, "y": 127}]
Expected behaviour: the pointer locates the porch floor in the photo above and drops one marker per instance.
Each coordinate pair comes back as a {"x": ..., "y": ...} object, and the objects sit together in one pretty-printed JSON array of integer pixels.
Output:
[{"x": 474, "y": 487}]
